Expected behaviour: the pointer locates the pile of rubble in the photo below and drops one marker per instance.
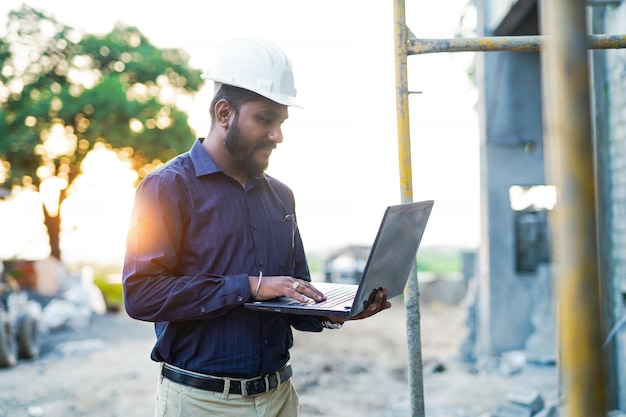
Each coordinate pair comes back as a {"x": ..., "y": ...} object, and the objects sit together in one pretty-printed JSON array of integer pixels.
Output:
[
  {"x": 41, "y": 297},
  {"x": 522, "y": 402}
]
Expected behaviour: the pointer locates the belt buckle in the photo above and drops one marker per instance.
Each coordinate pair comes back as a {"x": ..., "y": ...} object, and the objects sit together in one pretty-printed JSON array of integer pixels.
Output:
[{"x": 244, "y": 385}]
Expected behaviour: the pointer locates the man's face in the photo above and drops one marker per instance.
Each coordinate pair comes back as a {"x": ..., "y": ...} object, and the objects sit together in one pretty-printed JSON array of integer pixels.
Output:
[{"x": 254, "y": 133}]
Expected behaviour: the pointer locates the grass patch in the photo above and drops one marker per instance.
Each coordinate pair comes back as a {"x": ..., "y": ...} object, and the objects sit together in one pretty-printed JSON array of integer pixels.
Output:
[
  {"x": 440, "y": 259},
  {"x": 111, "y": 290}
]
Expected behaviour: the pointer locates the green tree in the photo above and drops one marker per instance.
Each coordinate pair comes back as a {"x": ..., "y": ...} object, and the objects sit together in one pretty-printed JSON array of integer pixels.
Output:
[{"x": 62, "y": 92}]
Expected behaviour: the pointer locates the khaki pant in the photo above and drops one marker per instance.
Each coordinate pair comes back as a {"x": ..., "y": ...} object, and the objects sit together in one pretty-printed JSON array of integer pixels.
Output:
[{"x": 176, "y": 400}]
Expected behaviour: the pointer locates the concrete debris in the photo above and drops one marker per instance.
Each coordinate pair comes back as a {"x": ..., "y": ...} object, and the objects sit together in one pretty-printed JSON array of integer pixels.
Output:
[
  {"x": 527, "y": 397},
  {"x": 507, "y": 364},
  {"x": 85, "y": 293},
  {"x": 503, "y": 365},
  {"x": 511, "y": 410},
  {"x": 525, "y": 402},
  {"x": 74, "y": 304},
  {"x": 59, "y": 314},
  {"x": 549, "y": 411},
  {"x": 512, "y": 362}
]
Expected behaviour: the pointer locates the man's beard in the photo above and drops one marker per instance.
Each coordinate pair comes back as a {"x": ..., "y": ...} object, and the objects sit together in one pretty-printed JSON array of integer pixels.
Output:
[{"x": 243, "y": 153}]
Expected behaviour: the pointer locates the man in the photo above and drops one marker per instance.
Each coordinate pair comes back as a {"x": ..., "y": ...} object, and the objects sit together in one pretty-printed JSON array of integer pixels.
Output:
[{"x": 211, "y": 231}]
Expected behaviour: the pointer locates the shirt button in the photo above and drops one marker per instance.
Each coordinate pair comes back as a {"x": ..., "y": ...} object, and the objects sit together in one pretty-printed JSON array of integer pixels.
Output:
[
  {"x": 254, "y": 226},
  {"x": 202, "y": 310},
  {"x": 265, "y": 342},
  {"x": 239, "y": 298}
]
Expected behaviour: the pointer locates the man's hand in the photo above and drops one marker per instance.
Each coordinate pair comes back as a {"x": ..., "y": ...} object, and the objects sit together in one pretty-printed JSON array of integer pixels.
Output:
[
  {"x": 376, "y": 303},
  {"x": 278, "y": 286}
]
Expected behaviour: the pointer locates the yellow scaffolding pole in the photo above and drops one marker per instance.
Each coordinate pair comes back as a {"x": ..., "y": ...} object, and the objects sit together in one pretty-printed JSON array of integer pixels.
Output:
[
  {"x": 569, "y": 157},
  {"x": 411, "y": 296}
]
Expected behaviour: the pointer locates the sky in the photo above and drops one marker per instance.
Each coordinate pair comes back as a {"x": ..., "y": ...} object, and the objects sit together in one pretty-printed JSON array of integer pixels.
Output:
[{"x": 339, "y": 153}]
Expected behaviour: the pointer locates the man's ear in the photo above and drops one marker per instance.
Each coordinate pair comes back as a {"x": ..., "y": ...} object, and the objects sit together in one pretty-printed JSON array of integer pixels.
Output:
[{"x": 223, "y": 112}]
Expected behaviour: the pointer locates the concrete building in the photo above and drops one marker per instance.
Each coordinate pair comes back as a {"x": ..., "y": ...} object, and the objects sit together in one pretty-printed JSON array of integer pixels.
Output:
[{"x": 515, "y": 307}]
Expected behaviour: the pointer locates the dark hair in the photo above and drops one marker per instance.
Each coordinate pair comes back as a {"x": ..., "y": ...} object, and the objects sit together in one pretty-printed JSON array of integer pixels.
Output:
[{"x": 235, "y": 96}]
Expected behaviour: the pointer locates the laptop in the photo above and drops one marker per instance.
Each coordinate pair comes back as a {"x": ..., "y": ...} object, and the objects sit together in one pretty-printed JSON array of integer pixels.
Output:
[{"x": 388, "y": 266}]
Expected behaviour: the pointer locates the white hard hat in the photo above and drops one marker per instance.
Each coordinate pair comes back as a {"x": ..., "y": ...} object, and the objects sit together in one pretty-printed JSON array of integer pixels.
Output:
[{"x": 255, "y": 65}]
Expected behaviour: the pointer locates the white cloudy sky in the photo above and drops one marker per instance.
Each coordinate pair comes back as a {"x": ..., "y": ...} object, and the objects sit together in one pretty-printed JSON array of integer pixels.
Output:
[{"x": 340, "y": 152}]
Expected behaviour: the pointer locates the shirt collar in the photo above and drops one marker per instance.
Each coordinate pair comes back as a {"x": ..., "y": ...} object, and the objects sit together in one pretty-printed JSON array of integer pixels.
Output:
[
  {"x": 205, "y": 165},
  {"x": 202, "y": 161}
]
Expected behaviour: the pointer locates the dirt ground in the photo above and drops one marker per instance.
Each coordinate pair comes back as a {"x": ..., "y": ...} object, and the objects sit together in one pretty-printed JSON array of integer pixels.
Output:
[{"x": 104, "y": 370}]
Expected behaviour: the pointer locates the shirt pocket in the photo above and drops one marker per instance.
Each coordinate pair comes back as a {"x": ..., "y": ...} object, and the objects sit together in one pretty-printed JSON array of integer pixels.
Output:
[{"x": 284, "y": 251}]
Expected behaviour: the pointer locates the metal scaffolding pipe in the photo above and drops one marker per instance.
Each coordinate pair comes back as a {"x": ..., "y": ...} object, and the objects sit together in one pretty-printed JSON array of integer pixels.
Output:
[
  {"x": 411, "y": 293},
  {"x": 503, "y": 43},
  {"x": 569, "y": 162}
]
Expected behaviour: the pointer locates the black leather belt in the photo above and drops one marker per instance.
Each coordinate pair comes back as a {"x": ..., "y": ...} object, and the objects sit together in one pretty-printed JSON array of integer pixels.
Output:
[{"x": 243, "y": 387}]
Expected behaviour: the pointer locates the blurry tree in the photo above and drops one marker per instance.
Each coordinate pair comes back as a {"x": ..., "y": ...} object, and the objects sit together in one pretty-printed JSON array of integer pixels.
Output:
[{"x": 62, "y": 92}]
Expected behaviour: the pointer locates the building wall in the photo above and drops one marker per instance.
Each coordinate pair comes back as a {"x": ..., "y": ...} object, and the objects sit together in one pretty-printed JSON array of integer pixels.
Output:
[
  {"x": 496, "y": 12},
  {"x": 511, "y": 154}
]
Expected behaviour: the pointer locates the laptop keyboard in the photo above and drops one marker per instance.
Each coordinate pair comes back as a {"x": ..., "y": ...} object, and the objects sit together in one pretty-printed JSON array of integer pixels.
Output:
[{"x": 338, "y": 295}]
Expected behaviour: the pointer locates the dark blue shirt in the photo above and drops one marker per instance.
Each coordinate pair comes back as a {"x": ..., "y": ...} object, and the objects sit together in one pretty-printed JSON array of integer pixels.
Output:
[{"x": 195, "y": 236}]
